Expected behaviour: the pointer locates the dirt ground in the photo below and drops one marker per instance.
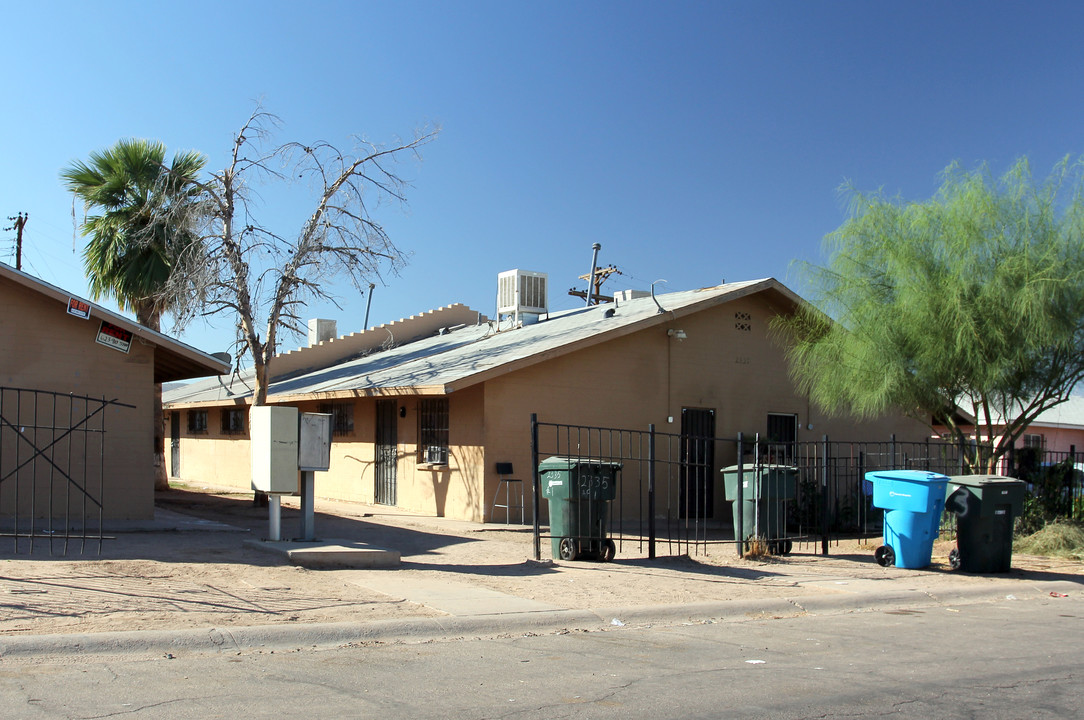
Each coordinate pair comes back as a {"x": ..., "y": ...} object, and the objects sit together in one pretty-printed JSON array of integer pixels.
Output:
[{"x": 203, "y": 576}]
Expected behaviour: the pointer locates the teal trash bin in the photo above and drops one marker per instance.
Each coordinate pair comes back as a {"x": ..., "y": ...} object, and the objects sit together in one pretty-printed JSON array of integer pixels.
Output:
[
  {"x": 985, "y": 507},
  {"x": 579, "y": 492},
  {"x": 765, "y": 490},
  {"x": 913, "y": 501}
]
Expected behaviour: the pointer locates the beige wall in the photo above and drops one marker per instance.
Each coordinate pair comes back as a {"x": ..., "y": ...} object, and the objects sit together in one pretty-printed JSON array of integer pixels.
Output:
[
  {"x": 45, "y": 348},
  {"x": 454, "y": 490},
  {"x": 211, "y": 456},
  {"x": 648, "y": 377}
]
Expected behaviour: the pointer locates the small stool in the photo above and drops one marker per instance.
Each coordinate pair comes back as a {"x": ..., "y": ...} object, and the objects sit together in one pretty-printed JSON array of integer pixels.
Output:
[{"x": 504, "y": 469}]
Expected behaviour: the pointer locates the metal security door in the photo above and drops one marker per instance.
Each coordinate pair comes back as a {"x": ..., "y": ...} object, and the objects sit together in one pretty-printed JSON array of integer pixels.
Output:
[
  {"x": 175, "y": 443},
  {"x": 387, "y": 446},
  {"x": 697, "y": 463}
]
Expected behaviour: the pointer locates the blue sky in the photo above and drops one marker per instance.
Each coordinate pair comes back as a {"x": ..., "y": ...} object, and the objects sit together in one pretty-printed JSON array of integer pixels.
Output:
[{"x": 695, "y": 141}]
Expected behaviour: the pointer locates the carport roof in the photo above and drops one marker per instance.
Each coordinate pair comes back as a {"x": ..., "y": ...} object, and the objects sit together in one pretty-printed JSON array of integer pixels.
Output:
[{"x": 458, "y": 358}]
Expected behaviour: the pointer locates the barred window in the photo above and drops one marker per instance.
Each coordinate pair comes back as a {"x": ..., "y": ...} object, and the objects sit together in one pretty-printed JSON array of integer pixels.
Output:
[
  {"x": 342, "y": 417},
  {"x": 197, "y": 421},
  {"x": 1035, "y": 441},
  {"x": 433, "y": 431},
  {"x": 233, "y": 421}
]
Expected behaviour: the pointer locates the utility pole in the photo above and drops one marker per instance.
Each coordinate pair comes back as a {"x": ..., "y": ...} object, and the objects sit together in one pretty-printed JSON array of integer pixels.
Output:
[
  {"x": 594, "y": 279},
  {"x": 19, "y": 223}
]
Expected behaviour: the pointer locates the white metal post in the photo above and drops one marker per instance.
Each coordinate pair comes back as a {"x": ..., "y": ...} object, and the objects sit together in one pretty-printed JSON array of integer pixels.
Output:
[{"x": 274, "y": 512}]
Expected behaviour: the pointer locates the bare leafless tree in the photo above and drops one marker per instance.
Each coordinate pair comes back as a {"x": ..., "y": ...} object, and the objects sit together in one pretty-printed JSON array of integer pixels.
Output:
[{"x": 243, "y": 267}]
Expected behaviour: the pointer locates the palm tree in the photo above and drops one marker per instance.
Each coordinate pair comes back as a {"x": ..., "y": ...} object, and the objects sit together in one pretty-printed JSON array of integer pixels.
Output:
[{"x": 133, "y": 244}]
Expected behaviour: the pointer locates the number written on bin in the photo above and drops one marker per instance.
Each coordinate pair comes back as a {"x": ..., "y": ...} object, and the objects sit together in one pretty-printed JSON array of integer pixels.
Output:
[{"x": 589, "y": 482}]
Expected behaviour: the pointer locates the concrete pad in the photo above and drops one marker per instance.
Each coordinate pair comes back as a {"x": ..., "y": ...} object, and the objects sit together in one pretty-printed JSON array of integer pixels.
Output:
[{"x": 329, "y": 553}]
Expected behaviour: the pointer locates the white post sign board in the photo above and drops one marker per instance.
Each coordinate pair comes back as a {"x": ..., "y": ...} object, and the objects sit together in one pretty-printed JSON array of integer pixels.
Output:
[{"x": 314, "y": 443}]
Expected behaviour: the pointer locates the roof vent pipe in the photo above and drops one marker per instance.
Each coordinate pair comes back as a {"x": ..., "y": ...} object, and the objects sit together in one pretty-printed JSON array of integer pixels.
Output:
[
  {"x": 661, "y": 310},
  {"x": 368, "y": 303},
  {"x": 594, "y": 263}
]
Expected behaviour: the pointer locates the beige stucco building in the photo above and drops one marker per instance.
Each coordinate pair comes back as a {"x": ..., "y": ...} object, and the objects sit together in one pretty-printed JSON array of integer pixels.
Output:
[
  {"x": 65, "y": 366},
  {"x": 425, "y": 407}
]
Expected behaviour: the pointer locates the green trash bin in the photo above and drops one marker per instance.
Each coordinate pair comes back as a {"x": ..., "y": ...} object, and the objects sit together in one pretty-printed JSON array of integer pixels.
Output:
[
  {"x": 579, "y": 492},
  {"x": 985, "y": 507},
  {"x": 765, "y": 490}
]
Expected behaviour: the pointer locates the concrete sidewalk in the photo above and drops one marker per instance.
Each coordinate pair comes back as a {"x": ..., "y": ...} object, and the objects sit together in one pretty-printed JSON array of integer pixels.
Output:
[
  {"x": 494, "y": 617},
  {"x": 191, "y": 586}
]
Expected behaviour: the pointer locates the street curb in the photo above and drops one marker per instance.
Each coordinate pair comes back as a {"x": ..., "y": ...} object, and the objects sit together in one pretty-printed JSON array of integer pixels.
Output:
[{"x": 256, "y": 638}]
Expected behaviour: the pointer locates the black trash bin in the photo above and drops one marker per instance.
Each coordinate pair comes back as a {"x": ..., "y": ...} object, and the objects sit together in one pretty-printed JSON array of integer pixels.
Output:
[
  {"x": 985, "y": 507},
  {"x": 579, "y": 492}
]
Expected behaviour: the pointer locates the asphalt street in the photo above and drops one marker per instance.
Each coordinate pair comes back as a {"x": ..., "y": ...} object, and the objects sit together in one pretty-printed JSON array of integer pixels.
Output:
[{"x": 1004, "y": 658}]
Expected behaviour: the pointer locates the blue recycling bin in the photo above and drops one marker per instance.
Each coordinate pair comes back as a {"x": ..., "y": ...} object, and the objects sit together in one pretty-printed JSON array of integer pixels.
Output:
[{"x": 912, "y": 501}]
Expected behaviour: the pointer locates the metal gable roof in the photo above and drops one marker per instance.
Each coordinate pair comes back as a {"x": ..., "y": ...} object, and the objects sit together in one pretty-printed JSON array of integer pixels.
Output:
[
  {"x": 1069, "y": 414},
  {"x": 468, "y": 355}
]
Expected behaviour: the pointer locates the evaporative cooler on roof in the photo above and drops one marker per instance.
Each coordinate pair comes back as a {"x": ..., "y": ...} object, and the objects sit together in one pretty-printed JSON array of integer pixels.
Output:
[{"x": 521, "y": 293}]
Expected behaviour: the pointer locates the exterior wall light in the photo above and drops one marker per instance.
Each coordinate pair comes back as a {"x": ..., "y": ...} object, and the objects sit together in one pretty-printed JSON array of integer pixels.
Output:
[{"x": 678, "y": 335}]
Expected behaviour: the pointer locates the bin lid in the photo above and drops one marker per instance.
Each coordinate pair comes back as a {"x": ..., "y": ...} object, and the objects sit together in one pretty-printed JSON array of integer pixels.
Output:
[
  {"x": 978, "y": 480},
  {"x": 751, "y": 468},
  {"x": 557, "y": 462},
  {"x": 919, "y": 476}
]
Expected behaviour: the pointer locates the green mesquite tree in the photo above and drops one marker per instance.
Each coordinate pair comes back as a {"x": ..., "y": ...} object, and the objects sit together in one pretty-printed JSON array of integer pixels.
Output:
[{"x": 966, "y": 310}]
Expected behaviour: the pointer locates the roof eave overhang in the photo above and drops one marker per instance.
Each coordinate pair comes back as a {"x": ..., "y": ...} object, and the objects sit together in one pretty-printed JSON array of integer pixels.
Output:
[{"x": 376, "y": 392}]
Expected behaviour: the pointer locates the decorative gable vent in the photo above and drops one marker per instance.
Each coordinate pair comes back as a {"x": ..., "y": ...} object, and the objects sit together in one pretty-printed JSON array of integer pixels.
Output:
[{"x": 522, "y": 292}]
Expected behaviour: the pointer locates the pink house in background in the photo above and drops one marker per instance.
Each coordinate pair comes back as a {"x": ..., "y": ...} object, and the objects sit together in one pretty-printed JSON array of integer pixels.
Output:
[{"x": 1059, "y": 431}]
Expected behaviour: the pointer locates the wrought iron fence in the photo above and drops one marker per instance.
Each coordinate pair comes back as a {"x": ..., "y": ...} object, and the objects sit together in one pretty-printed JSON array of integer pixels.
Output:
[
  {"x": 52, "y": 469},
  {"x": 676, "y": 494}
]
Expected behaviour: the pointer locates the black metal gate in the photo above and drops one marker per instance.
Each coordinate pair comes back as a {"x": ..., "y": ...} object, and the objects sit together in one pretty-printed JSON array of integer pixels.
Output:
[
  {"x": 387, "y": 452},
  {"x": 52, "y": 469},
  {"x": 665, "y": 489}
]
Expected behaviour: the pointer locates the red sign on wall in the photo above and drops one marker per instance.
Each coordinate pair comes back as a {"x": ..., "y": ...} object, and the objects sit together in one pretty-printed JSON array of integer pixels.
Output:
[
  {"x": 115, "y": 337},
  {"x": 78, "y": 308}
]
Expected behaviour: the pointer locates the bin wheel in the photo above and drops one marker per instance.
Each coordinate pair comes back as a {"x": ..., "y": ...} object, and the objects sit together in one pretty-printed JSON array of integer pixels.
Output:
[
  {"x": 568, "y": 549},
  {"x": 954, "y": 558},
  {"x": 885, "y": 556},
  {"x": 608, "y": 551},
  {"x": 780, "y": 547}
]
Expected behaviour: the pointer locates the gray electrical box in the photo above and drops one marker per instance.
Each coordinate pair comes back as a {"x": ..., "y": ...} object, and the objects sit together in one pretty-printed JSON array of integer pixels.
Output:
[
  {"x": 314, "y": 443},
  {"x": 274, "y": 441}
]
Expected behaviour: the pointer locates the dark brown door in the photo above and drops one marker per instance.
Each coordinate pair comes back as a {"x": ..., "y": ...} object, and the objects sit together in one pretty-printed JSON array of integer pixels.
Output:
[
  {"x": 697, "y": 462},
  {"x": 175, "y": 443}
]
